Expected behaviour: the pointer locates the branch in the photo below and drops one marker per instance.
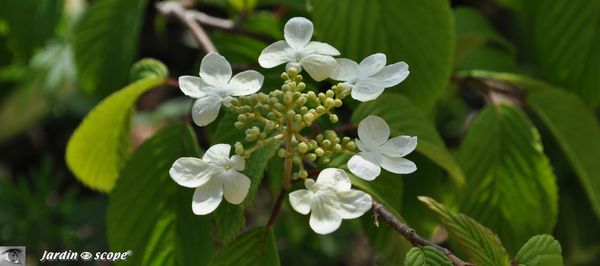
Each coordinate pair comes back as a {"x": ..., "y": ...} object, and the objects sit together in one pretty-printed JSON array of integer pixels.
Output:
[
  {"x": 412, "y": 236},
  {"x": 175, "y": 9}
]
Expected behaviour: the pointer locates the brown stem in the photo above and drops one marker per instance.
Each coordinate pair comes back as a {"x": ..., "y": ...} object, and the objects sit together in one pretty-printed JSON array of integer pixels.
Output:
[
  {"x": 276, "y": 208},
  {"x": 412, "y": 236},
  {"x": 175, "y": 9},
  {"x": 345, "y": 127}
]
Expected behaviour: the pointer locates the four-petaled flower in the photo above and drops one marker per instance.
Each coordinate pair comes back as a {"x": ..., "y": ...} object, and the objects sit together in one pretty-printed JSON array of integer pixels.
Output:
[
  {"x": 368, "y": 79},
  {"x": 298, "y": 51},
  {"x": 215, "y": 86},
  {"x": 329, "y": 200},
  {"x": 377, "y": 151},
  {"x": 214, "y": 176}
]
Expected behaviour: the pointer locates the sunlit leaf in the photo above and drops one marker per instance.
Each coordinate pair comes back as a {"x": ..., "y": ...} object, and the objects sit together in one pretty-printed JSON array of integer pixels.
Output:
[
  {"x": 99, "y": 146},
  {"x": 254, "y": 248},
  {"x": 542, "y": 250},
  {"x": 426, "y": 256}
]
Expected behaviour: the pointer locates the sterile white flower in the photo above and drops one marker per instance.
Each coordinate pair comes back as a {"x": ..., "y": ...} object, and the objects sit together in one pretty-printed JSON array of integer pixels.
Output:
[
  {"x": 298, "y": 51},
  {"x": 368, "y": 79},
  {"x": 377, "y": 151},
  {"x": 329, "y": 200},
  {"x": 215, "y": 86},
  {"x": 214, "y": 176}
]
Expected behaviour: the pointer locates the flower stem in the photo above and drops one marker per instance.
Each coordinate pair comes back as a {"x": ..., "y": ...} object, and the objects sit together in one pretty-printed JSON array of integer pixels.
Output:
[{"x": 412, "y": 237}]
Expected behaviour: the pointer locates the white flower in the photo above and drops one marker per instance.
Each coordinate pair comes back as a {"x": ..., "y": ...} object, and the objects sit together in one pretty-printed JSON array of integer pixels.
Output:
[
  {"x": 368, "y": 79},
  {"x": 215, "y": 86},
  {"x": 214, "y": 176},
  {"x": 330, "y": 200},
  {"x": 298, "y": 51},
  {"x": 377, "y": 151}
]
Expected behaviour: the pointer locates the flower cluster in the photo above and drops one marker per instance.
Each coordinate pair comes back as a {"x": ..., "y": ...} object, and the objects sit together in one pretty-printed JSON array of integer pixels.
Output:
[{"x": 287, "y": 117}]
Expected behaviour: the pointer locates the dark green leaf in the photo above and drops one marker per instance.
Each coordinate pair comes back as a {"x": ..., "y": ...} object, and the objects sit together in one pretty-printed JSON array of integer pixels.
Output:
[
  {"x": 426, "y": 256},
  {"x": 510, "y": 184},
  {"x": 576, "y": 130},
  {"x": 253, "y": 248},
  {"x": 542, "y": 250},
  {"x": 230, "y": 220},
  {"x": 105, "y": 44},
  {"x": 421, "y": 33},
  {"x": 150, "y": 214},
  {"x": 99, "y": 146},
  {"x": 481, "y": 245},
  {"x": 563, "y": 37},
  {"x": 405, "y": 118}
]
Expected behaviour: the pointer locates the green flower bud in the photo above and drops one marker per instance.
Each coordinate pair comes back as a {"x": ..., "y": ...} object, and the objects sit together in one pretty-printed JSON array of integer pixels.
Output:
[
  {"x": 239, "y": 148},
  {"x": 292, "y": 71},
  {"x": 238, "y": 125},
  {"x": 329, "y": 103},
  {"x": 308, "y": 118},
  {"x": 311, "y": 96},
  {"x": 319, "y": 152},
  {"x": 302, "y": 147},
  {"x": 281, "y": 153},
  {"x": 333, "y": 118},
  {"x": 285, "y": 76},
  {"x": 338, "y": 102},
  {"x": 329, "y": 93},
  {"x": 288, "y": 97},
  {"x": 235, "y": 102},
  {"x": 322, "y": 97},
  {"x": 301, "y": 86},
  {"x": 242, "y": 118},
  {"x": 320, "y": 109},
  {"x": 310, "y": 157},
  {"x": 319, "y": 138},
  {"x": 325, "y": 160},
  {"x": 298, "y": 78},
  {"x": 279, "y": 106},
  {"x": 297, "y": 160},
  {"x": 337, "y": 147},
  {"x": 326, "y": 143},
  {"x": 303, "y": 174},
  {"x": 351, "y": 146},
  {"x": 290, "y": 114}
]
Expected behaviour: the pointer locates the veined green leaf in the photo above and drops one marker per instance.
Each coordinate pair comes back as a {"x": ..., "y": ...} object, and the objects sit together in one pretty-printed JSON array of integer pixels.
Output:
[
  {"x": 421, "y": 33},
  {"x": 404, "y": 118},
  {"x": 253, "y": 248},
  {"x": 105, "y": 43},
  {"x": 229, "y": 220},
  {"x": 510, "y": 184},
  {"x": 426, "y": 256},
  {"x": 99, "y": 146},
  {"x": 577, "y": 131},
  {"x": 479, "y": 243},
  {"x": 150, "y": 214},
  {"x": 473, "y": 30},
  {"x": 542, "y": 250}
]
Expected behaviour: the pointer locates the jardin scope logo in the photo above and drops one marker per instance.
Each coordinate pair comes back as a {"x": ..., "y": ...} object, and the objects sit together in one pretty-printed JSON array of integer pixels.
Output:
[
  {"x": 69, "y": 255},
  {"x": 12, "y": 255}
]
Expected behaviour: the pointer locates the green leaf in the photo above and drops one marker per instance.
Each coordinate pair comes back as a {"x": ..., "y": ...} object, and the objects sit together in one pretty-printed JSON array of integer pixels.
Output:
[
  {"x": 579, "y": 138},
  {"x": 230, "y": 221},
  {"x": 405, "y": 118},
  {"x": 563, "y": 37},
  {"x": 421, "y": 33},
  {"x": 426, "y": 256},
  {"x": 480, "y": 244},
  {"x": 487, "y": 58},
  {"x": 541, "y": 250},
  {"x": 30, "y": 23},
  {"x": 28, "y": 102},
  {"x": 510, "y": 186},
  {"x": 150, "y": 214},
  {"x": 473, "y": 30},
  {"x": 256, "y": 167},
  {"x": 105, "y": 44},
  {"x": 99, "y": 146},
  {"x": 253, "y": 248}
]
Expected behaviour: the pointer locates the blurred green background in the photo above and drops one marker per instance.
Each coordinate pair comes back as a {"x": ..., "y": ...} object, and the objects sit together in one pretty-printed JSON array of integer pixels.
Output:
[{"x": 59, "y": 58}]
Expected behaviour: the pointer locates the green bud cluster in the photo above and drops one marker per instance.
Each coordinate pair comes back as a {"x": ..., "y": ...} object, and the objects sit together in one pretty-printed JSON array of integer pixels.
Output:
[{"x": 280, "y": 116}]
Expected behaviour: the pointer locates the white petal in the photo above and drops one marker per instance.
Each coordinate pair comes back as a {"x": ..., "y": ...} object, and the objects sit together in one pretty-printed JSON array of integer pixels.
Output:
[
  {"x": 215, "y": 70},
  {"x": 371, "y": 64},
  {"x": 206, "y": 109},
  {"x": 275, "y": 54},
  {"x": 345, "y": 70},
  {"x": 245, "y": 83},
  {"x": 301, "y": 200},
  {"x": 334, "y": 179},
  {"x": 324, "y": 218},
  {"x": 207, "y": 197},
  {"x": 399, "y": 146},
  {"x": 398, "y": 165},
  {"x": 194, "y": 87},
  {"x": 363, "y": 166},
  {"x": 366, "y": 91},
  {"x": 235, "y": 186},
  {"x": 191, "y": 172},
  {"x": 238, "y": 162},
  {"x": 320, "y": 48},
  {"x": 353, "y": 203},
  {"x": 217, "y": 153},
  {"x": 319, "y": 67},
  {"x": 391, "y": 75},
  {"x": 373, "y": 131},
  {"x": 297, "y": 32}
]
